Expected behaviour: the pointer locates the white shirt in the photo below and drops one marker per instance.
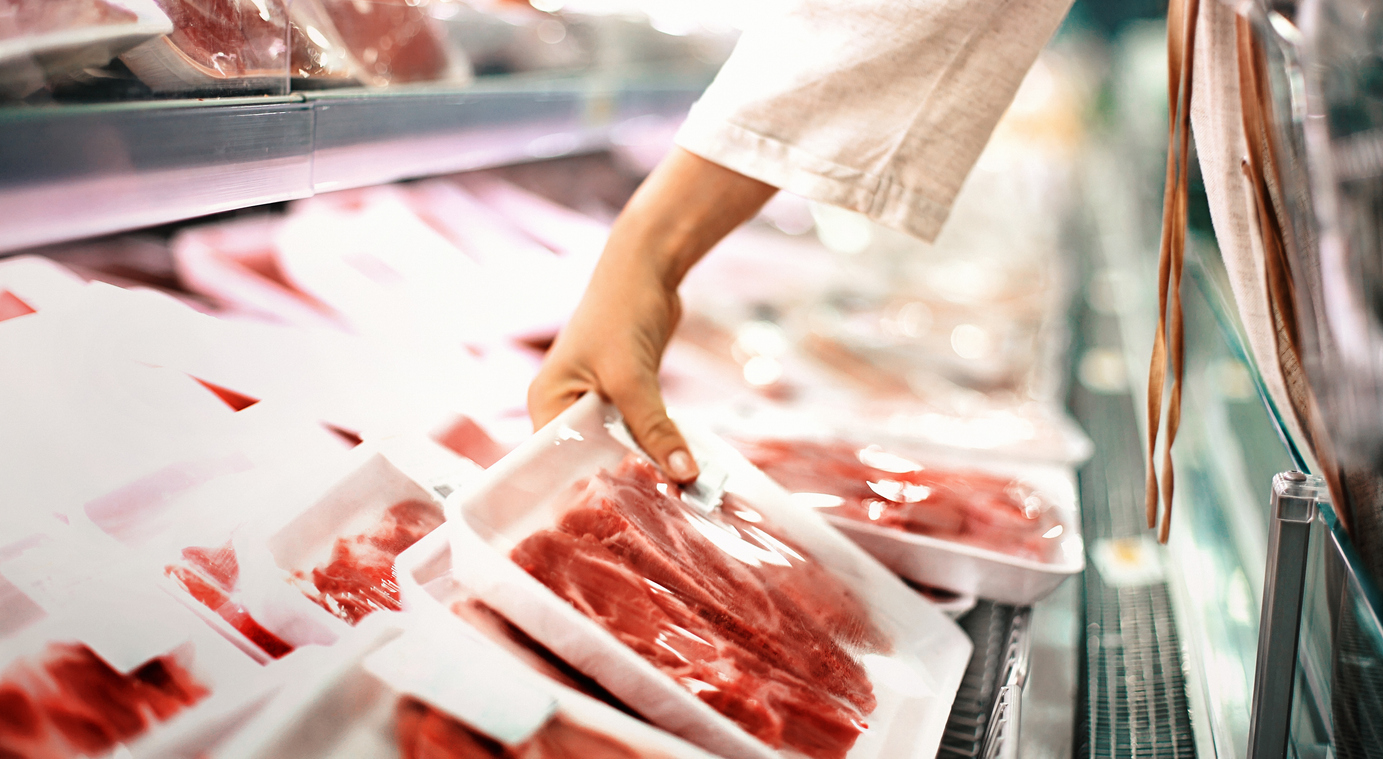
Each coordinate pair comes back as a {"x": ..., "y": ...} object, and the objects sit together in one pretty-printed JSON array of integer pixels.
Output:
[{"x": 878, "y": 106}]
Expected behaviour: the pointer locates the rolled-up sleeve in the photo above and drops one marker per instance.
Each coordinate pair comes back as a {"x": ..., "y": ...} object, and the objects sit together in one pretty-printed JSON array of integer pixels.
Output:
[{"x": 879, "y": 106}]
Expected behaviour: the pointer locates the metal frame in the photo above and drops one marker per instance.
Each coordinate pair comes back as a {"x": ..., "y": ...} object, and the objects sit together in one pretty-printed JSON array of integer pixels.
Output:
[{"x": 1294, "y": 506}]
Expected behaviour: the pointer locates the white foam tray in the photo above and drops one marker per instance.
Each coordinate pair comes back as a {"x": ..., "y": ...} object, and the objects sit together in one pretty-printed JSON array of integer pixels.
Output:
[{"x": 915, "y": 684}]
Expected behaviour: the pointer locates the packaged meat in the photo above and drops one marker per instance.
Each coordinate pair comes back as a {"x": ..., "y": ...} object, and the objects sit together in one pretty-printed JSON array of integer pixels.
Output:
[
  {"x": 395, "y": 41},
  {"x": 241, "y": 45},
  {"x": 210, "y": 575},
  {"x": 426, "y": 581},
  {"x": 1006, "y": 533},
  {"x": 233, "y": 263},
  {"x": 44, "y": 39},
  {"x": 34, "y": 17},
  {"x": 340, "y": 551},
  {"x": 753, "y": 630},
  {"x": 390, "y": 274},
  {"x": 83, "y": 681},
  {"x": 423, "y": 684},
  {"x": 70, "y": 702}
]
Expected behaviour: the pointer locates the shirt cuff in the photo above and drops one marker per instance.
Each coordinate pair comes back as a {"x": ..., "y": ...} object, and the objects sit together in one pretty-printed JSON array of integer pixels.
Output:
[{"x": 790, "y": 168}]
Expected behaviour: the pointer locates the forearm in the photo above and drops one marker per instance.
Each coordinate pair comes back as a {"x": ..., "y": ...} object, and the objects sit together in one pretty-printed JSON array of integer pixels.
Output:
[{"x": 686, "y": 206}]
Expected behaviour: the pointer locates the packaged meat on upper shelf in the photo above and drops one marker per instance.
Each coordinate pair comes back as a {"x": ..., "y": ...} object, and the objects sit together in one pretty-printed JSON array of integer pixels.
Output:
[
  {"x": 242, "y": 46},
  {"x": 424, "y": 684},
  {"x": 44, "y": 40},
  {"x": 753, "y": 629},
  {"x": 1005, "y": 532}
]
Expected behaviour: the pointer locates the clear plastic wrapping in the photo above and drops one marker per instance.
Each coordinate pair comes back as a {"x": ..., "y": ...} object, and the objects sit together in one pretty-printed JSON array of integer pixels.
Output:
[
  {"x": 47, "y": 41},
  {"x": 1001, "y": 530},
  {"x": 90, "y": 676},
  {"x": 751, "y": 630}
]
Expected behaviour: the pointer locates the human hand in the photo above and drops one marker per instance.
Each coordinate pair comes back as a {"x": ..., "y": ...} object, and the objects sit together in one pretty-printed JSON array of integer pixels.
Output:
[
  {"x": 616, "y": 338},
  {"x": 613, "y": 346}
]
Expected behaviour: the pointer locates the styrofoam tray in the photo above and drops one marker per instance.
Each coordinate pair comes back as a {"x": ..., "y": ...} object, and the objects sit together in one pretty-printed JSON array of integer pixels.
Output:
[
  {"x": 26, "y": 60},
  {"x": 982, "y": 572},
  {"x": 915, "y": 685},
  {"x": 426, "y": 581},
  {"x": 952, "y": 565},
  {"x": 352, "y": 694}
]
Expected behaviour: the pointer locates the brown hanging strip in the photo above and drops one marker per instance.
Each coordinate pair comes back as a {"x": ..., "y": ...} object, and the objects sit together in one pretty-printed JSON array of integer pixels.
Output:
[{"x": 1169, "y": 342}]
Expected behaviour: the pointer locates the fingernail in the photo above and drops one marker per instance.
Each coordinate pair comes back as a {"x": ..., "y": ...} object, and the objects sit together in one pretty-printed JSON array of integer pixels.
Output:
[{"x": 680, "y": 466}]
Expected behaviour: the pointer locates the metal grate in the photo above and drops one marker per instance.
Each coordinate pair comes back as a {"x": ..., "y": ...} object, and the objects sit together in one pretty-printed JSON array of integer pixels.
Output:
[
  {"x": 993, "y": 681},
  {"x": 1132, "y": 699}
]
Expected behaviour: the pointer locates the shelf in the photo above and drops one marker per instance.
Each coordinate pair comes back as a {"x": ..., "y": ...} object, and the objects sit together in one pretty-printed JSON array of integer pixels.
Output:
[{"x": 68, "y": 172}]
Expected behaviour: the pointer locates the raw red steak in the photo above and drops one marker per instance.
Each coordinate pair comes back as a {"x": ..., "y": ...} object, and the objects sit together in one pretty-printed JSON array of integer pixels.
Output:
[
  {"x": 746, "y": 621},
  {"x": 425, "y": 733},
  {"x": 210, "y": 576},
  {"x": 72, "y": 703},
  {"x": 999, "y": 513},
  {"x": 394, "y": 40},
  {"x": 359, "y": 579}
]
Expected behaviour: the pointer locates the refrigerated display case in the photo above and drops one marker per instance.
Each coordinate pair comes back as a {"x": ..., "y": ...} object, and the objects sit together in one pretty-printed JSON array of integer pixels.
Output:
[{"x": 1148, "y": 652}]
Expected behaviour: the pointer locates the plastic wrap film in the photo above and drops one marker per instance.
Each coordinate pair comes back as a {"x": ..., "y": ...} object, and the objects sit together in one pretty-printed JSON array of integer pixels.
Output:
[
  {"x": 69, "y": 702},
  {"x": 750, "y": 629},
  {"x": 210, "y": 575},
  {"x": 873, "y": 485},
  {"x": 749, "y": 623},
  {"x": 43, "y": 42},
  {"x": 218, "y": 45},
  {"x": 359, "y": 579},
  {"x": 393, "y": 41}
]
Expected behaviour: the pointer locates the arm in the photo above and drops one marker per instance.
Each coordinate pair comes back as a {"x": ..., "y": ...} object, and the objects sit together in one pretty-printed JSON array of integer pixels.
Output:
[{"x": 615, "y": 339}]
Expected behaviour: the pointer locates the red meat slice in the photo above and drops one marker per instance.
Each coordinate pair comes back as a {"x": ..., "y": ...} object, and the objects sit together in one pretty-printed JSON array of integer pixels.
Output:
[
  {"x": 748, "y": 622},
  {"x": 359, "y": 579},
  {"x": 237, "y": 401},
  {"x": 425, "y": 733},
  {"x": 230, "y": 37},
  {"x": 394, "y": 40},
  {"x": 984, "y": 510},
  {"x": 210, "y": 576},
  {"x": 73, "y": 702}
]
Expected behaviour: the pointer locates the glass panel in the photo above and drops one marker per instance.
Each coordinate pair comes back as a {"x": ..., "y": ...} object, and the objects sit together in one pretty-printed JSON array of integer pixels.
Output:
[{"x": 1339, "y": 678}]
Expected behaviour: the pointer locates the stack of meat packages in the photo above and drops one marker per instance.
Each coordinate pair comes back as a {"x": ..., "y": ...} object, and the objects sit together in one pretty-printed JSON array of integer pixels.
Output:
[
  {"x": 264, "y": 424},
  {"x": 183, "y": 46}
]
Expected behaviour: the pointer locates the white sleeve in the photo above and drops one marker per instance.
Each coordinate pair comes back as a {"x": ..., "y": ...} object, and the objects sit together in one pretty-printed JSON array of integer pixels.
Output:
[{"x": 879, "y": 106}]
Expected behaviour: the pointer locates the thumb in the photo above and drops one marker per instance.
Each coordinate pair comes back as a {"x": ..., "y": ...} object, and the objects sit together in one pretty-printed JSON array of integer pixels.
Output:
[{"x": 639, "y": 400}]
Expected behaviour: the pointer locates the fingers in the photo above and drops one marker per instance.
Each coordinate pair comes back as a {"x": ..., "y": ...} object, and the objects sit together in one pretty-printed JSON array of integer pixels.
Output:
[{"x": 638, "y": 398}]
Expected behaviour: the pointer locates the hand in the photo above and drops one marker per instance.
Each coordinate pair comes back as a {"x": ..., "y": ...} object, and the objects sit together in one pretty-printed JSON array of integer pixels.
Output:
[{"x": 615, "y": 340}]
